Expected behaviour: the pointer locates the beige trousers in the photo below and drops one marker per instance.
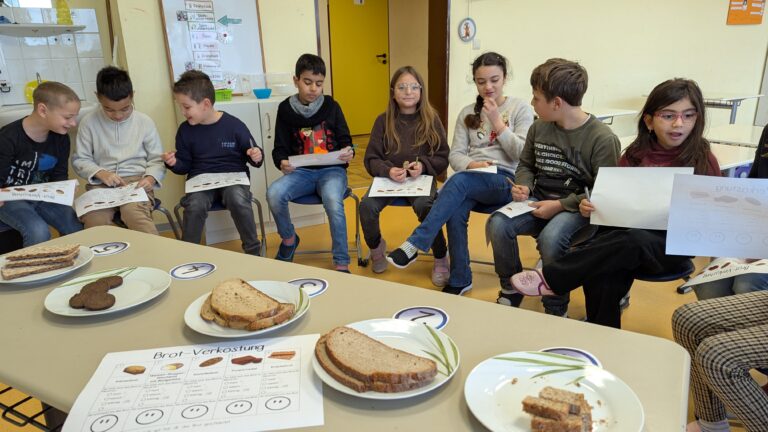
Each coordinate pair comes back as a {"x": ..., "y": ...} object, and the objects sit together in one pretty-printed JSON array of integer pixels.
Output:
[{"x": 136, "y": 215}]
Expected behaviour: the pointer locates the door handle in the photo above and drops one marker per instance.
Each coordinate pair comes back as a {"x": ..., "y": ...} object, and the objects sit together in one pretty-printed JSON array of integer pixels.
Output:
[{"x": 382, "y": 58}]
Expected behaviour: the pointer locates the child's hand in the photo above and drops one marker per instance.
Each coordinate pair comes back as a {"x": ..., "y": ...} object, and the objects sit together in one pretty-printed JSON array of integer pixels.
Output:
[
  {"x": 286, "y": 167},
  {"x": 520, "y": 193},
  {"x": 484, "y": 164},
  {"x": 398, "y": 174},
  {"x": 255, "y": 154},
  {"x": 346, "y": 154},
  {"x": 546, "y": 209},
  {"x": 491, "y": 110},
  {"x": 147, "y": 183},
  {"x": 415, "y": 169},
  {"x": 110, "y": 179},
  {"x": 586, "y": 208},
  {"x": 169, "y": 158}
]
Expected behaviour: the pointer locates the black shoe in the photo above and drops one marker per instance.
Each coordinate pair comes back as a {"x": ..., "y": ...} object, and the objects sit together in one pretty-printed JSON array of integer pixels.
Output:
[
  {"x": 285, "y": 252},
  {"x": 512, "y": 299},
  {"x": 400, "y": 259},
  {"x": 560, "y": 312},
  {"x": 448, "y": 289},
  {"x": 344, "y": 271}
]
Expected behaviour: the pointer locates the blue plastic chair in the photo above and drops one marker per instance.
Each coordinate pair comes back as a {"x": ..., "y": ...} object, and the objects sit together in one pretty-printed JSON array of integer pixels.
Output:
[
  {"x": 218, "y": 206},
  {"x": 314, "y": 199},
  {"x": 117, "y": 220}
]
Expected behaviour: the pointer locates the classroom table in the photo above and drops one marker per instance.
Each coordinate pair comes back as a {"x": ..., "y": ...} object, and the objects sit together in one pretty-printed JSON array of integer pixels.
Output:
[
  {"x": 53, "y": 357},
  {"x": 730, "y": 101},
  {"x": 735, "y": 135}
]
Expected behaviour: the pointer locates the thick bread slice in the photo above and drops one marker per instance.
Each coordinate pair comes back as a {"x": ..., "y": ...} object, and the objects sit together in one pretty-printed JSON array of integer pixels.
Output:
[
  {"x": 234, "y": 299},
  {"x": 369, "y": 360},
  {"x": 571, "y": 424},
  {"x": 355, "y": 384},
  {"x": 13, "y": 273},
  {"x": 42, "y": 252},
  {"x": 42, "y": 261},
  {"x": 285, "y": 313},
  {"x": 546, "y": 408}
]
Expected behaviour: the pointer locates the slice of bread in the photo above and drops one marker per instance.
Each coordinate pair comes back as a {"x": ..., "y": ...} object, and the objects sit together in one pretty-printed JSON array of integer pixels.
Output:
[
  {"x": 14, "y": 273},
  {"x": 558, "y": 410},
  {"x": 550, "y": 409},
  {"x": 42, "y": 252},
  {"x": 235, "y": 299},
  {"x": 284, "y": 313},
  {"x": 369, "y": 360},
  {"x": 570, "y": 424},
  {"x": 42, "y": 261}
]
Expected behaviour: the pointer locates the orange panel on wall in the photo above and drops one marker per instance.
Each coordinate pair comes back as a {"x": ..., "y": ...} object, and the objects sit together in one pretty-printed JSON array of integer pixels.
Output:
[{"x": 745, "y": 12}]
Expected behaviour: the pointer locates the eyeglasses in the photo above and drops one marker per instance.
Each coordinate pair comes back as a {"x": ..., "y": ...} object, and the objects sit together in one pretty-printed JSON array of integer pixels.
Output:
[
  {"x": 687, "y": 117},
  {"x": 405, "y": 87}
]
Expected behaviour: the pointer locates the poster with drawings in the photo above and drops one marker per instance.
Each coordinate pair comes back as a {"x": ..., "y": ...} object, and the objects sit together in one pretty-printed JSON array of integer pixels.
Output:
[{"x": 219, "y": 37}]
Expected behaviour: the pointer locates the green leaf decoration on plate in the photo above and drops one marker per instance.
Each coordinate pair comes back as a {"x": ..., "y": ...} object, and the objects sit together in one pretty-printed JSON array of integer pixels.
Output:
[
  {"x": 122, "y": 272},
  {"x": 557, "y": 362},
  {"x": 442, "y": 357}
]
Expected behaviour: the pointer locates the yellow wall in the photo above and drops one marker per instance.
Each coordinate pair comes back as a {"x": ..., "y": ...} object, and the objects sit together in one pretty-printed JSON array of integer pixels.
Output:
[
  {"x": 627, "y": 48},
  {"x": 408, "y": 35}
]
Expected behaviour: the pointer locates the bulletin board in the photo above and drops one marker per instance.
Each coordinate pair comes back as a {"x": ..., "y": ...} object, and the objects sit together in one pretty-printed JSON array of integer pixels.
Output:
[
  {"x": 745, "y": 11},
  {"x": 220, "y": 37}
]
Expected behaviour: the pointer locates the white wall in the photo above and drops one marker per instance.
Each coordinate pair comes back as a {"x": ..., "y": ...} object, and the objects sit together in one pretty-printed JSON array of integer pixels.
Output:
[{"x": 627, "y": 48}]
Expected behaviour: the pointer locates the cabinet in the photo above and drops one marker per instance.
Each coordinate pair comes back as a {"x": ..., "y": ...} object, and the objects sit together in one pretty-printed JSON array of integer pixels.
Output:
[{"x": 259, "y": 115}]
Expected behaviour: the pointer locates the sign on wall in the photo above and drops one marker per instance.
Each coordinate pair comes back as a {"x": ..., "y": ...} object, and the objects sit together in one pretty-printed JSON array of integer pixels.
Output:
[{"x": 745, "y": 12}]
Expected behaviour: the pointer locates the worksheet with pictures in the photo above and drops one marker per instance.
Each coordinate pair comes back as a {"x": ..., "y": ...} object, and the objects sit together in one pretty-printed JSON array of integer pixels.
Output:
[{"x": 253, "y": 385}]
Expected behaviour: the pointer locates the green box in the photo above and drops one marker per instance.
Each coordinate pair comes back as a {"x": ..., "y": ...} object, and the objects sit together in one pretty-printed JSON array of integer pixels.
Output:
[{"x": 223, "y": 95}]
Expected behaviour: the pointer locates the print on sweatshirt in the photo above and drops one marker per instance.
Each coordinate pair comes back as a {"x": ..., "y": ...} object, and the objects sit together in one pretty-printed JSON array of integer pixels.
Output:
[
  {"x": 35, "y": 168},
  {"x": 484, "y": 128},
  {"x": 315, "y": 140}
]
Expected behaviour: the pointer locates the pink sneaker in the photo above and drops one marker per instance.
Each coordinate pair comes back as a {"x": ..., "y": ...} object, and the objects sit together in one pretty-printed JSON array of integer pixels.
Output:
[
  {"x": 441, "y": 272},
  {"x": 531, "y": 283}
]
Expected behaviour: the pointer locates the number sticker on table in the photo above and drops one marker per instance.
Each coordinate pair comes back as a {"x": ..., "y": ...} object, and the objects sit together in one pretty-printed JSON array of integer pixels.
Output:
[
  {"x": 313, "y": 287},
  {"x": 428, "y": 315},
  {"x": 111, "y": 248},
  {"x": 194, "y": 270}
]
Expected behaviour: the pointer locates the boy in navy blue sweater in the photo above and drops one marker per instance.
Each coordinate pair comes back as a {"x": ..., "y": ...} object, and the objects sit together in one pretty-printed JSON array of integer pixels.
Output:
[{"x": 212, "y": 141}]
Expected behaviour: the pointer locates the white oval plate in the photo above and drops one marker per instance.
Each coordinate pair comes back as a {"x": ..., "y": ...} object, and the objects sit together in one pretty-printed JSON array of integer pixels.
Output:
[
  {"x": 83, "y": 257},
  {"x": 139, "y": 286},
  {"x": 497, "y": 402},
  {"x": 415, "y": 338},
  {"x": 280, "y": 291}
]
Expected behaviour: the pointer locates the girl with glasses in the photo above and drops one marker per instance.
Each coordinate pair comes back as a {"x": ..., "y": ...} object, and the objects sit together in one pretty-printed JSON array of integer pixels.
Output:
[
  {"x": 407, "y": 140},
  {"x": 489, "y": 133},
  {"x": 668, "y": 135}
]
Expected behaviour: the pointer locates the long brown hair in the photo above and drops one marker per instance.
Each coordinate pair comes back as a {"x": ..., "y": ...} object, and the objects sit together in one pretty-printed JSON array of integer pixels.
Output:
[
  {"x": 426, "y": 133},
  {"x": 472, "y": 121},
  {"x": 695, "y": 148}
]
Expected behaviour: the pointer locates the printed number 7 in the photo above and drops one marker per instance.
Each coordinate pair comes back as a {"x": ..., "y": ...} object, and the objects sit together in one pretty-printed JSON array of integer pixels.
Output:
[{"x": 426, "y": 315}]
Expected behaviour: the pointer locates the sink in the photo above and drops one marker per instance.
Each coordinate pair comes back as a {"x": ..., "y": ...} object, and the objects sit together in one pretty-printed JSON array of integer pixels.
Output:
[{"x": 11, "y": 113}]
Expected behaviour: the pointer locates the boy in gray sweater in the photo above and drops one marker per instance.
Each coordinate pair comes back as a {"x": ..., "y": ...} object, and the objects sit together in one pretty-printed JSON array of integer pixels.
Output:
[{"x": 116, "y": 146}]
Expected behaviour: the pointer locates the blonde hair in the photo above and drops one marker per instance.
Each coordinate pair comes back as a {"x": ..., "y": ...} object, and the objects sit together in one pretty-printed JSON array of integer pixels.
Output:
[
  {"x": 53, "y": 94},
  {"x": 426, "y": 133}
]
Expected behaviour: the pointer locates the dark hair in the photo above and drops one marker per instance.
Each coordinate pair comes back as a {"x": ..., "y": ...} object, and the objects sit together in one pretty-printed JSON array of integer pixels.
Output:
[
  {"x": 472, "y": 121},
  {"x": 310, "y": 62},
  {"x": 53, "y": 94},
  {"x": 560, "y": 78},
  {"x": 195, "y": 84},
  {"x": 113, "y": 83},
  {"x": 695, "y": 149}
]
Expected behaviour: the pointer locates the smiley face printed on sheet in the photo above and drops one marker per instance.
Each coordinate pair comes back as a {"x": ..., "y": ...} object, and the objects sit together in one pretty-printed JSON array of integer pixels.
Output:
[
  {"x": 104, "y": 423},
  {"x": 239, "y": 407},
  {"x": 277, "y": 403},
  {"x": 194, "y": 411},
  {"x": 149, "y": 416}
]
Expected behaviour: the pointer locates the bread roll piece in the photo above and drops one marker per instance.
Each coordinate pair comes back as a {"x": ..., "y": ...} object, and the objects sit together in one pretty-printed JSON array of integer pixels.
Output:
[{"x": 235, "y": 299}]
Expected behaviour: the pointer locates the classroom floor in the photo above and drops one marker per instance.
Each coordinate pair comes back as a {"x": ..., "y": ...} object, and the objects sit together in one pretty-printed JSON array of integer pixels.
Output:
[{"x": 651, "y": 305}]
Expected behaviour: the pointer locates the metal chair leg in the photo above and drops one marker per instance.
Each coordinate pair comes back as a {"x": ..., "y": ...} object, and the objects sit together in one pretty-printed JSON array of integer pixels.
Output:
[
  {"x": 174, "y": 227},
  {"x": 263, "y": 251},
  {"x": 361, "y": 261}
]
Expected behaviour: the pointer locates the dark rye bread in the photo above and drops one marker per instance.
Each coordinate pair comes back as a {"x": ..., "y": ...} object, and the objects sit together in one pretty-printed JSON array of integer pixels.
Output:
[
  {"x": 371, "y": 361},
  {"x": 355, "y": 384},
  {"x": 42, "y": 252}
]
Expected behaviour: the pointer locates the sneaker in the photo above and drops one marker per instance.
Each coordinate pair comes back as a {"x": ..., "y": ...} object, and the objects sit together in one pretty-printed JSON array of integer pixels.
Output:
[
  {"x": 403, "y": 256},
  {"x": 285, "y": 252},
  {"x": 530, "y": 283},
  {"x": 344, "y": 268},
  {"x": 506, "y": 298},
  {"x": 624, "y": 303},
  {"x": 448, "y": 289},
  {"x": 344, "y": 271},
  {"x": 378, "y": 258},
  {"x": 440, "y": 272}
]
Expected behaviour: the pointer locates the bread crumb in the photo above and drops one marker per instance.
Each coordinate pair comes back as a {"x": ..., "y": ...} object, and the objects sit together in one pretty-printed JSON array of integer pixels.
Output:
[
  {"x": 513, "y": 381},
  {"x": 599, "y": 402}
]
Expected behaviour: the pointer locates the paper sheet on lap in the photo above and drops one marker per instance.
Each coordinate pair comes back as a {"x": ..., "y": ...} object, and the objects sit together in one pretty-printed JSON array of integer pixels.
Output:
[
  {"x": 209, "y": 181},
  {"x": 62, "y": 192},
  {"x": 101, "y": 198}
]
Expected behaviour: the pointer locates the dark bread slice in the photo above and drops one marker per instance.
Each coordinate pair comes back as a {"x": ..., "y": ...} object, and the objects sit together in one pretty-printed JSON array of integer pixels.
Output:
[{"x": 370, "y": 361}]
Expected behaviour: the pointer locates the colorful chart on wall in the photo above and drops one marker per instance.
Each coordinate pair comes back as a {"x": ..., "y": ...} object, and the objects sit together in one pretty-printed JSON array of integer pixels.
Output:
[
  {"x": 745, "y": 11},
  {"x": 219, "y": 37}
]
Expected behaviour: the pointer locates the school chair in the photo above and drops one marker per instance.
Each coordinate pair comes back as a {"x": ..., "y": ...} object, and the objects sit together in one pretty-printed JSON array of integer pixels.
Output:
[
  {"x": 314, "y": 199},
  {"x": 218, "y": 206},
  {"x": 683, "y": 271},
  {"x": 117, "y": 220}
]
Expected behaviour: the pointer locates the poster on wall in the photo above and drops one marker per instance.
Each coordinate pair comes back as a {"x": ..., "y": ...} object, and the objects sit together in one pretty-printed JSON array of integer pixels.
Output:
[
  {"x": 745, "y": 12},
  {"x": 219, "y": 37}
]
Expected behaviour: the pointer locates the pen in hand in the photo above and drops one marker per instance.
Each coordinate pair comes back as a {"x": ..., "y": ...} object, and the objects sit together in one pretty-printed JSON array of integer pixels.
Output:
[{"x": 586, "y": 191}]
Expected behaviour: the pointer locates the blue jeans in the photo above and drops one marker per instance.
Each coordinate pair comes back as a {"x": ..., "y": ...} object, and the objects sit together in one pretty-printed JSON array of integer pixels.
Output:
[
  {"x": 236, "y": 199},
  {"x": 741, "y": 284},
  {"x": 460, "y": 194},
  {"x": 31, "y": 219},
  {"x": 331, "y": 185},
  {"x": 553, "y": 239}
]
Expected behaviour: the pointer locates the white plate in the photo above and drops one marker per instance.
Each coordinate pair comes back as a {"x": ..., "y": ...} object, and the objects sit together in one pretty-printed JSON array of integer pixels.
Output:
[
  {"x": 280, "y": 291},
  {"x": 84, "y": 257},
  {"x": 415, "y": 338},
  {"x": 140, "y": 285},
  {"x": 497, "y": 402}
]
